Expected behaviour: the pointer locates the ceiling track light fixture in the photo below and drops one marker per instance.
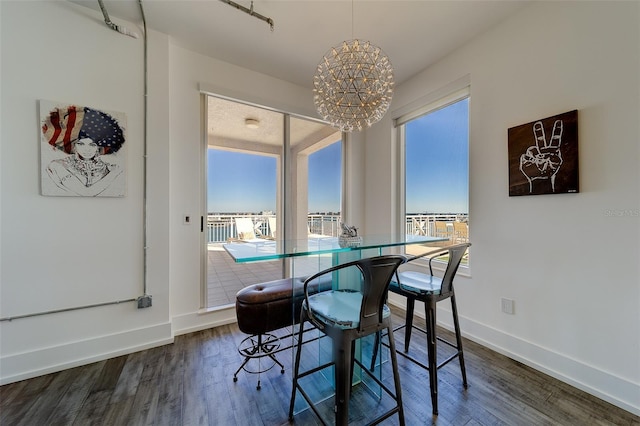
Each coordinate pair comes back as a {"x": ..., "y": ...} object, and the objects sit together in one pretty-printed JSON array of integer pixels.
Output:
[
  {"x": 353, "y": 84},
  {"x": 250, "y": 11}
]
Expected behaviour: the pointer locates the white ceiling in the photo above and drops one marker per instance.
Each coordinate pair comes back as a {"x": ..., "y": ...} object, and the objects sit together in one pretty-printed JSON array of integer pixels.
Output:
[
  {"x": 414, "y": 34},
  {"x": 227, "y": 128}
]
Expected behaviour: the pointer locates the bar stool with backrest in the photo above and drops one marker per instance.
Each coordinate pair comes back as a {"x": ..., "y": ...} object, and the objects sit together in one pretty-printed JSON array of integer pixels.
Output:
[
  {"x": 345, "y": 316},
  {"x": 429, "y": 289}
]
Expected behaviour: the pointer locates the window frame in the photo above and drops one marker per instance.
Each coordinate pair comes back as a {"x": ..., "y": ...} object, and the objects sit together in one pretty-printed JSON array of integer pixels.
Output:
[
  {"x": 286, "y": 195},
  {"x": 433, "y": 102}
]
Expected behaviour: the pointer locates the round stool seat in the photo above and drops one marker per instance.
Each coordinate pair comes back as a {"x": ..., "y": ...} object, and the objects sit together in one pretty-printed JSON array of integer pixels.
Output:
[{"x": 271, "y": 305}]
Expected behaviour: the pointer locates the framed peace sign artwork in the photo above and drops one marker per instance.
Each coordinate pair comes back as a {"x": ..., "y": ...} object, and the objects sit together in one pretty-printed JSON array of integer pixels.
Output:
[{"x": 543, "y": 156}]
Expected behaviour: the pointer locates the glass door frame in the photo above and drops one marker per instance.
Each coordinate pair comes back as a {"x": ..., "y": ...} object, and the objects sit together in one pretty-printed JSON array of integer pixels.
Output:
[{"x": 286, "y": 217}]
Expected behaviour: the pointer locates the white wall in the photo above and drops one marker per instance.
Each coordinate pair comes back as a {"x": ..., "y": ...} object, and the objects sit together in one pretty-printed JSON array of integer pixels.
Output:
[
  {"x": 60, "y": 253},
  {"x": 569, "y": 261},
  {"x": 572, "y": 268},
  {"x": 64, "y": 252}
]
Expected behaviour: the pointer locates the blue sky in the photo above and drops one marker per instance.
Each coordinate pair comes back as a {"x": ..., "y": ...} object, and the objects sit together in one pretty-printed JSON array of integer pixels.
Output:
[
  {"x": 239, "y": 182},
  {"x": 324, "y": 179},
  {"x": 436, "y": 165}
]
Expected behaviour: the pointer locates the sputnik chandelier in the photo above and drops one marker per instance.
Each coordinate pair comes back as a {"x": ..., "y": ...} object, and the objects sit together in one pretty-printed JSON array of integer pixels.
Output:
[{"x": 353, "y": 85}]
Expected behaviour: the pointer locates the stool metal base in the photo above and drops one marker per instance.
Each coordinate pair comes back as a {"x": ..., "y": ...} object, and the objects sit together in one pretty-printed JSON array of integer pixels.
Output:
[{"x": 257, "y": 347}]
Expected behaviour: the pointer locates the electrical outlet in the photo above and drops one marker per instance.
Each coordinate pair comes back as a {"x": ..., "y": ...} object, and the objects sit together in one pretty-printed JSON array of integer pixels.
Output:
[
  {"x": 144, "y": 301},
  {"x": 507, "y": 306}
]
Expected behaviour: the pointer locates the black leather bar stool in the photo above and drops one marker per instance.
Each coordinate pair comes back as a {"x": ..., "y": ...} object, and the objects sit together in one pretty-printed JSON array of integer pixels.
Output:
[{"x": 265, "y": 307}]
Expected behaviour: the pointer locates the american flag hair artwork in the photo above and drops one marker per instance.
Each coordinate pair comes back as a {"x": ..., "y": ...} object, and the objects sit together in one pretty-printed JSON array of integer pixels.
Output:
[
  {"x": 66, "y": 124},
  {"x": 82, "y": 151}
]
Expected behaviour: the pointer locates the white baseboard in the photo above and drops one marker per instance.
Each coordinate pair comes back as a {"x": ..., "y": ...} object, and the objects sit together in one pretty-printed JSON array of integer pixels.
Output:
[
  {"x": 26, "y": 365},
  {"x": 42, "y": 361},
  {"x": 203, "y": 319},
  {"x": 606, "y": 386}
]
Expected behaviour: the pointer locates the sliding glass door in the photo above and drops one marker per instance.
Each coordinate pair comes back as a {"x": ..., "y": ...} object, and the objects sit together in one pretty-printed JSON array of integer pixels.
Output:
[
  {"x": 264, "y": 172},
  {"x": 244, "y": 152}
]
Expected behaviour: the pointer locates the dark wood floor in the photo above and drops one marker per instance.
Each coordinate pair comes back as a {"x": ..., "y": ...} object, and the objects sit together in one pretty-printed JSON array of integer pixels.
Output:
[{"x": 190, "y": 382}]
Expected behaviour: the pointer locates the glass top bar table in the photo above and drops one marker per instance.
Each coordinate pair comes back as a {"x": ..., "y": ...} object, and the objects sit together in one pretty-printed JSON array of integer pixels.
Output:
[
  {"x": 327, "y": 251},
  {"x": 262, "y": 249}
]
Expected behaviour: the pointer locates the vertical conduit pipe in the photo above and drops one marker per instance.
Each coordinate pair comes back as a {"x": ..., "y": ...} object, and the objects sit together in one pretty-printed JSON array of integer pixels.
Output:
[{"x": 144, "y": 163}]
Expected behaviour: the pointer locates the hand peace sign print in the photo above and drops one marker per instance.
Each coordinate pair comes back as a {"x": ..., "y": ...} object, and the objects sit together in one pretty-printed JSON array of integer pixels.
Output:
[{"x": 541, "y": 165}]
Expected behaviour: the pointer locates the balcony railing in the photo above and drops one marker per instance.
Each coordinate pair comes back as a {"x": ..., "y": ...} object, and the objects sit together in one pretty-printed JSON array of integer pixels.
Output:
[{"x": 221, "y": 228}]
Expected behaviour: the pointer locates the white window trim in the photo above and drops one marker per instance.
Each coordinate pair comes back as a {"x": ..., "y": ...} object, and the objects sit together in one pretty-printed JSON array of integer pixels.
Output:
[
  {"x": 433, "y": 106},
  {"x": 463, "y": 83},
  {"x": 445, "y": 96}
]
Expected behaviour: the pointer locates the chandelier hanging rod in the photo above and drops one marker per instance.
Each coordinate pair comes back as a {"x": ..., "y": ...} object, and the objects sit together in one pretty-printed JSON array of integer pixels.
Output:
[{"x": 250, "y": 11}]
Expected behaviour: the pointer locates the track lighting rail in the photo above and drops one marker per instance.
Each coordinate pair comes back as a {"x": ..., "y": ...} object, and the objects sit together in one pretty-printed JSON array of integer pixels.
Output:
[{"x": 250, "y": 11}]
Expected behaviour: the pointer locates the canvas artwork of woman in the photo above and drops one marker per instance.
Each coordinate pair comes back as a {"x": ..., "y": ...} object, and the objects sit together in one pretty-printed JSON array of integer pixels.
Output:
[{"x": 79, "y": 152}]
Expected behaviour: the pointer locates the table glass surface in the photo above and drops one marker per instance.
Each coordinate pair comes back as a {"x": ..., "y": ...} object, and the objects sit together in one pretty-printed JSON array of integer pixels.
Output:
[{"x": 262, "y": 249}]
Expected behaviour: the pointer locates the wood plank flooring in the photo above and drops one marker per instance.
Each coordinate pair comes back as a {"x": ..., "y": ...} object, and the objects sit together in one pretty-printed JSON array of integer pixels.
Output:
[{"x": 190, "y": 382}]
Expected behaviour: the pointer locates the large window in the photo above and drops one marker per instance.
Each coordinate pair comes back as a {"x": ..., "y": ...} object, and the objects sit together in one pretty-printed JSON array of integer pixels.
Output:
[{"x": 435, "y": 139}]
